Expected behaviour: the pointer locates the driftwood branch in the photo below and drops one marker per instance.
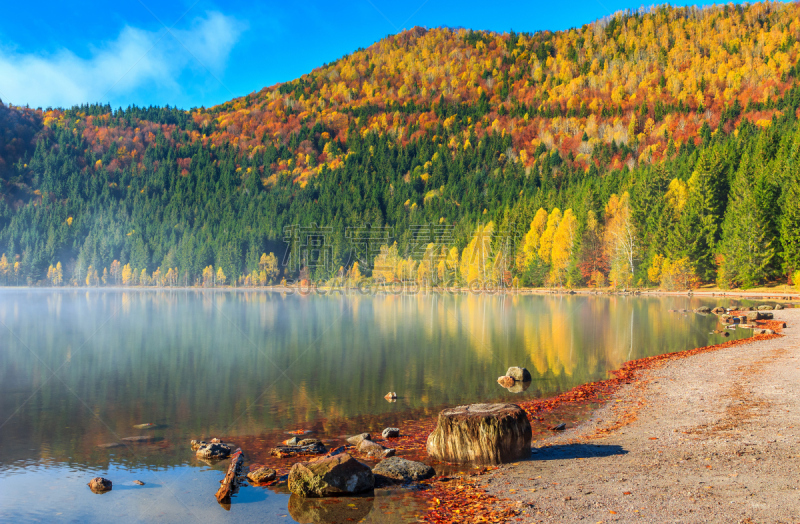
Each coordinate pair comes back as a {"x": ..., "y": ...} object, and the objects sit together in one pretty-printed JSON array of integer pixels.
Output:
[{"x": 229, "y": 482}]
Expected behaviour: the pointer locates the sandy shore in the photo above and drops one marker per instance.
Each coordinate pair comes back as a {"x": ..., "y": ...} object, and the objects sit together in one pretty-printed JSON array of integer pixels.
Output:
[{"x": 713, "y": 437}]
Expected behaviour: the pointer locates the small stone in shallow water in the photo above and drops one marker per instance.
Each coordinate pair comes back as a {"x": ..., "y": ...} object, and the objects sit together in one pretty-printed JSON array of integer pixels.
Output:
[
  {"x": 401, "y": 470},
  {"x": 560, "y": 427},
  {"x": 138, "y": 482},
  {"x": 505, "y": 381},
  {"x": 355, "y": 440},
  {"x": 144, "y": 426},
  {"x": 214, "y": 451},
  {"x": 369, "y": 448},
  {"x": 99, "y": 485},
  {"x": 390, "y": 433},
  {"x": 390, "y": 395},
  {"x": 262, "y": 474}
]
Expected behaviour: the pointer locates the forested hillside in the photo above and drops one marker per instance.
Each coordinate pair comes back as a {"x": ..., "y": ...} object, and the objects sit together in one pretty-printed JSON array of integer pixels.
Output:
[{"x": 656, "y": 148}]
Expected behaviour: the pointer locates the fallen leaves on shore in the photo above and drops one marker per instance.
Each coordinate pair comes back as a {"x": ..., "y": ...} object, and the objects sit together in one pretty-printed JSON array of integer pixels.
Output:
[{"x": 461, "y": 500}]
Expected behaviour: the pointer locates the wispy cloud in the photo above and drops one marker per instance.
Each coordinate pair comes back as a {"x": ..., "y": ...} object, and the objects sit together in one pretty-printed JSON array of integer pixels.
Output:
[{"x": 136, "y": 59}]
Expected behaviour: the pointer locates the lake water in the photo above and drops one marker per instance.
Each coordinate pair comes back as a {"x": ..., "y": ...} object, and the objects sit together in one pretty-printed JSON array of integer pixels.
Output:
[{"x": 78, "y": 369}]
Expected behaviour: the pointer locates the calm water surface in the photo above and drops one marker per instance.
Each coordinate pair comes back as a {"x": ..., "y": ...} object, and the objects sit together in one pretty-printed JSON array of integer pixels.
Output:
[{"x": 78, "y": 369}]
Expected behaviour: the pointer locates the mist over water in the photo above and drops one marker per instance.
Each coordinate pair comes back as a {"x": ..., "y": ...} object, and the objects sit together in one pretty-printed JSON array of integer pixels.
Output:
[{"x": 80, "y": 368}]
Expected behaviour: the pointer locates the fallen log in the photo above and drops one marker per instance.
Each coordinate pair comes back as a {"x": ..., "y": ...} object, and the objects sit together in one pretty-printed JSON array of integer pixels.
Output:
[{"x": 229, "y": 482}]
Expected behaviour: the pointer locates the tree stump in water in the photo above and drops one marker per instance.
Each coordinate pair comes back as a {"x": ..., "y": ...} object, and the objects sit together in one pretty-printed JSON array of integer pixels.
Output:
[{"x": 481, "y": 433}]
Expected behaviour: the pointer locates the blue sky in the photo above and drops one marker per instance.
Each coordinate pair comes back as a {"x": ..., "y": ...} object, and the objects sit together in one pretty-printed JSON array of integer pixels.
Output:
[{"x": 201, "y": 53}]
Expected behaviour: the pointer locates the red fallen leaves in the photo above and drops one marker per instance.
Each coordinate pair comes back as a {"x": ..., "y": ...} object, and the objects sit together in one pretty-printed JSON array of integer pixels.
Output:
[{"x": 462, "y": 501}]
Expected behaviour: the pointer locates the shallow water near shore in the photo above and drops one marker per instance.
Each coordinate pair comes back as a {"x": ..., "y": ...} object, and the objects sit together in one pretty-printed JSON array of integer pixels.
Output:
[{"x": 80, "y": 368}]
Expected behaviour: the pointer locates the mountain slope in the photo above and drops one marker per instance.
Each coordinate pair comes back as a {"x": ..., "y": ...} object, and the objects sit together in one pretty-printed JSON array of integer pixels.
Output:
[{"x": 448, "y": 127}]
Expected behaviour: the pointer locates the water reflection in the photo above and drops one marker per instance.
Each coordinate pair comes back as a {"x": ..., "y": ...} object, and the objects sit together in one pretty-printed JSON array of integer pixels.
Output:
[{"x": 81, "y": 369}]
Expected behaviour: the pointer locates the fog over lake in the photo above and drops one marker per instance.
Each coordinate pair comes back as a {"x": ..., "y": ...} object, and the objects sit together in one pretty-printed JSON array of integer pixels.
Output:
[{"x": 80, "y": 368}]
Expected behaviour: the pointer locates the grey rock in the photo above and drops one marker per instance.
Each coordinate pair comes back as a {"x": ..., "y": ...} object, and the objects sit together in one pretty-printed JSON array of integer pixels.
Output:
[
  {"x": 397, "y": 469},
  {"x": 339, "y": 475},
  {"x": 291, "y": 442},
  {"x": 519, "y": 374},
  {"x": 262, "y": 474},
  {"x": 389, "y": 452},
  {"x": 214, "y": 450},
  {"x": 703, "y": 309},
  {"x": 355, "y": 440},
  {"x": 369, "y": 448},
  {"x": 390, "y": 433},
  {"x": 309, "y": 442},
  {"x": 100, "y": 485}
]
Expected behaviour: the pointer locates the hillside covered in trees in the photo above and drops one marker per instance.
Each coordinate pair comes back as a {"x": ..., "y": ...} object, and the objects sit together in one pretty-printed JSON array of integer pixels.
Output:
[{"x": 653, "y": 148}]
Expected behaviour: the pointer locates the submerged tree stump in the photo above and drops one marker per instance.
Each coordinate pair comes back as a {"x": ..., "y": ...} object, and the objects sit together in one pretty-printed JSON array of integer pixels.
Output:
[{"x": 481, "y": 433}]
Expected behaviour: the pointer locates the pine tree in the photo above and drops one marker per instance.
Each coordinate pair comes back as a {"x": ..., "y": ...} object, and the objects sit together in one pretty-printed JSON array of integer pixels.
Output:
[
  {"x": 747, "y": 248},
  {"x": 790, "y": 223},
  {"x": 696, "y": 233}
]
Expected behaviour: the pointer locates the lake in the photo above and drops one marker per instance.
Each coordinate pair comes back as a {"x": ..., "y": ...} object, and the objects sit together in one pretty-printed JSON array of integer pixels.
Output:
[{"x": 80, "y": 368}]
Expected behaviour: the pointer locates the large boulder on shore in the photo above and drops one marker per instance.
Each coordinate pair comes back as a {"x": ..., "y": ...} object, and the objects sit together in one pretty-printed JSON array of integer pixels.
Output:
[
  {"x": 481, "y": 433},
  {"x": 397, "y": 469},
  {"x": 338, "y": 475},
  {"x": 519, "y": 374}
]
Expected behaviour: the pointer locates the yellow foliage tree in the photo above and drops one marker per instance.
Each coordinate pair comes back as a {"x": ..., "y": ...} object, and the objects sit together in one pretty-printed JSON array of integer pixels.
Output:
[
  {"x": 546, "y": 242},
  {"x": 386, "y": 262},
  {"x": 563, "y": 244},
  {"x": 269, "y": 266},
  {"x": 476, "y": 258},
  {"x": 127, "y": 275},
  {"x": 220, "y": 276},
  {"x": 530, "y": 245},
  {"x": 620, "y": 240}
]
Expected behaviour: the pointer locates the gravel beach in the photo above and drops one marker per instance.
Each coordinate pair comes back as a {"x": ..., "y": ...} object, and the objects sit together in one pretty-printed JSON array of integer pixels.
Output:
[{"x": 713, "y": 437}]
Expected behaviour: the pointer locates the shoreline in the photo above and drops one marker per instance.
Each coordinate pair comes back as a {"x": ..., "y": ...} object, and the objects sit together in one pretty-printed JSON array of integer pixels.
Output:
[
  {"x": 462, "y": 487},
  {"x": 668, "y": 422},
  {"x": 415, "y": 289}
]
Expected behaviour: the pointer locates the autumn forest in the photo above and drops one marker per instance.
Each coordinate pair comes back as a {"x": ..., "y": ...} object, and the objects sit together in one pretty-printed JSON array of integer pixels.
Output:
[{"x": 655, "y": 148}]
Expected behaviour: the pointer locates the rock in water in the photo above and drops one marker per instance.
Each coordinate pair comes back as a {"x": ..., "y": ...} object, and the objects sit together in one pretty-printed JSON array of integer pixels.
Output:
[
  {"x": 262, "y": 474},
  {"x": 320, "y": 511},
  {"x": 481, "y": 433},
  {"x": 505, "y": 381},
  {"x": 138, "y": 482},
  {"x": 390, "y": 433},
  {"x": 213, "y": 450},
  {"x": 145, "y": 426},
  {"x": 356, "y": 439},
  {"x": 703, "y": 309},
  {"x": 369, "y": 448},
  {"x": 401, "y": 470},
  {"x": 519, "y": 374},
  {"x": 99, "y": 485},
  {"x": 519, "y": 387},
  {"x": 339, "y": 475}
]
